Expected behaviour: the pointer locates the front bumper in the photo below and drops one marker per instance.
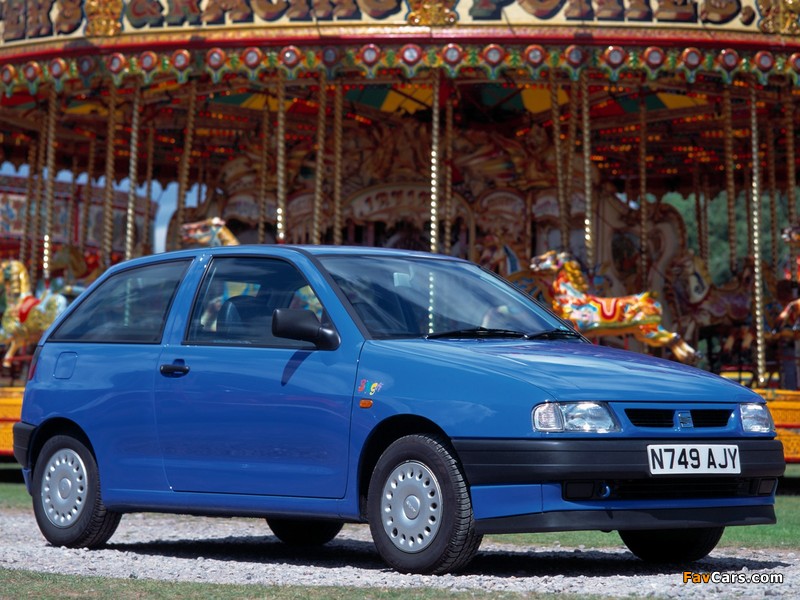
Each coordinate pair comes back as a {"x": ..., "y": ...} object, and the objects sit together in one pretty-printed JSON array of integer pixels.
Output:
[
  {"x": 503, "y": 462},
  {"x": 628, "y": 519},
  {"x": 563, "y": 485}
]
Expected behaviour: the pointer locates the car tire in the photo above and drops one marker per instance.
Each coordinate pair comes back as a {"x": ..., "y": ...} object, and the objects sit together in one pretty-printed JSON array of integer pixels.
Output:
[
  {"x": 304, "y": 532},
  {"x": 66, "y": 496},
  {"x": 672, "y": 545},
  {"x": 419, "y": 508}
]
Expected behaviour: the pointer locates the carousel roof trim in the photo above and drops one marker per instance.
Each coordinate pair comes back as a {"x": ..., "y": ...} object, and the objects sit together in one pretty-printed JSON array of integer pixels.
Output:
[
  {"x": 30, "y": 33},
  {"x": 493, "y": 61}
]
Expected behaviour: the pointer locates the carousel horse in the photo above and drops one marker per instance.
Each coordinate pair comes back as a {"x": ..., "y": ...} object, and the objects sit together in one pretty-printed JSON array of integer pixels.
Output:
[
  {"x": 788, "y": 321},
  {"x": 566, "y": 289},
  {"x": 700, "y": 303},
  {"x": 77, "y": 267},
  {"x": 209, "y": 232},
  {"x": 702, "y": 307},
  {"x": 26, "y": 316}
]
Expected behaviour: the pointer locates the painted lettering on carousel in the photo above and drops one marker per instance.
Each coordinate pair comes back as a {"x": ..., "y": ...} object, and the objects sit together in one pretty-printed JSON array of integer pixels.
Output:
[{"x": 29, "y": 20}]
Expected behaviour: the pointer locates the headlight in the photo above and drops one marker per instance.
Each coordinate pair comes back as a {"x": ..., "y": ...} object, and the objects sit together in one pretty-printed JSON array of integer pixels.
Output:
[
  {"x": 756, "y": 418},
  {"x": 574, "y": 416}
]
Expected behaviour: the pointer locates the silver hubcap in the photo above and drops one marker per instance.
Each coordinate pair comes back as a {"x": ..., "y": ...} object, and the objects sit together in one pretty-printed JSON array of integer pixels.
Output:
[
  {"x": 411, "y": 506},
  {"x": 64, "y": 488}
]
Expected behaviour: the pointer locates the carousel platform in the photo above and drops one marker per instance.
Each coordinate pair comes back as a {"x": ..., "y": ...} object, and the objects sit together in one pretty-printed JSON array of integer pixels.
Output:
[
  {"x": 10, "y": 405},
  {"x": 785, "y": 408},
  {"x": 12, "y": 386}
]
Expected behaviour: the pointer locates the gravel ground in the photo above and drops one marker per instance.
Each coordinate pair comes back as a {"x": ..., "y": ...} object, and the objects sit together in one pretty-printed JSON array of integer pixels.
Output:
[{"x": 181, "y": 548}]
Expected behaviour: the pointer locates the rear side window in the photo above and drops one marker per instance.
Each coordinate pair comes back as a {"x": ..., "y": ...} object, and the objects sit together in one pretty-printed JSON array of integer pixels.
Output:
[{"x": 129, "y": 307}]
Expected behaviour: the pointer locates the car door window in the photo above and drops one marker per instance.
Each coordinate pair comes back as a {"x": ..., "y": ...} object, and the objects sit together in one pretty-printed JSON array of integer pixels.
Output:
[
  {"x": 238, "y": 295},
  {"x": 129, "y": 307}
]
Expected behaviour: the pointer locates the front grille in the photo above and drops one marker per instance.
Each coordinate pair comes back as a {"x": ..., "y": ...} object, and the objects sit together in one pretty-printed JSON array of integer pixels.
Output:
[
  {"x": 669, "y": 488},
  {"x": 651, "y": 417},
  {"x": 711, "y": 417},
  {"x": 661, "y": 417}
]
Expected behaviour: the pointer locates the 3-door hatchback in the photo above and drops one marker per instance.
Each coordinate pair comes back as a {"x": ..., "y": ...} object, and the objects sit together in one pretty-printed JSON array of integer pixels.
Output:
[{"x": 317, "y": 386}]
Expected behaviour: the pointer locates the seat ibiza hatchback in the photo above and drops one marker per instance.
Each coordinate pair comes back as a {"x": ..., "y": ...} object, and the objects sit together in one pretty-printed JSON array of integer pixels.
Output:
[{"x": 421, "y": 394}]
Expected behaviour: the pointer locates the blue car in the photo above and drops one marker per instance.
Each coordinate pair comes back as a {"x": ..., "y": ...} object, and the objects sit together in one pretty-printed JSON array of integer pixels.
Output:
[{"x": 317, "y": 386}]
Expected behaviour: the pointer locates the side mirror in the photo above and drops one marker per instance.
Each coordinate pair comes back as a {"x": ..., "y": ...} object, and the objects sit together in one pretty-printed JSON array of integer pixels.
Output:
[{"x": 302, "y": 324}]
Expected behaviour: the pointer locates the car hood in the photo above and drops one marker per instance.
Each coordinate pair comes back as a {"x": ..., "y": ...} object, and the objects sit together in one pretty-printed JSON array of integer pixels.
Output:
[{"x": 569, "y": 370}]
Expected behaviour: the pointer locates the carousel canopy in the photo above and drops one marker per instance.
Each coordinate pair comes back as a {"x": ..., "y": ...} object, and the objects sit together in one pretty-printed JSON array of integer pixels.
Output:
[{"x": 669, "y": 61}]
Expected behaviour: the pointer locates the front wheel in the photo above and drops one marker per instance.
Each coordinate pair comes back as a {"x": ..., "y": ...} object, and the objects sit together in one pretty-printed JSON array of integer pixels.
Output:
[
  {"x": 66, "y": 496},
  {"x": 304, "y": 532},
  {"x": 419, "y": 508},
  {"x": 672, "y": 545}
]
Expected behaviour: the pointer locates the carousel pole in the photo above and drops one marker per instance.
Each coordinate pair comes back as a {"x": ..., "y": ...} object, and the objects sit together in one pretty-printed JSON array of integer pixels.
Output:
[
  {"x": 36, "y": 226},
  {"x": 186, "y": 159},
  {"x": 133, "y": 181},
  {"x": 201, "y": 180},
  {"x": 151, "y": 134},
  {"x": 338, "y": 106},
  {"x": 748, "y": 184},
  {"x": 108, "y": 202},
  {"x": 755, "y": 207},
  {"x": 643, "y": 212},
  {"x": 706, "y": 205},
  {"x": 87, "y": 195},
  {"x": 435, "y": 125},
  {"x": 49, "y": 191},
  {"x": 698, "y": 210},
  {"x": 319, "y": 169},
  {"x": 69, "y": 232},
  {"x": 262, "y": 172},
  {"x": 280, "y": 140},
  {"x": 29, "y": 190},
  {"x": 588, "y": 223},
  {"x": 791, "y": 174},
  {"x": 730, "y": 168},
  {"x": 773, "y": 198},
  {"x": 560, "y": 191},
  {"x": 434, "y": 209},
  {"x": 569, "y": 146},
  {"x": 448, "y": 175}
]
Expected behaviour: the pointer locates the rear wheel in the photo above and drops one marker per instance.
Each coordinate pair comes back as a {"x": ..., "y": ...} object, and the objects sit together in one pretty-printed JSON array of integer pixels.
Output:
[
  {"x": 672, "y": 545},
  {"x": 66, "y": 496},
  {"x": 304, "y": 532},
  {"x": 419, "y": 508}
]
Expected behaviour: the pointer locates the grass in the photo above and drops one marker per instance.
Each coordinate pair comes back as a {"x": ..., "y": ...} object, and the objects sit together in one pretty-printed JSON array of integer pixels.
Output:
[
  {"x": 792, "y": 470},
  {"x": 23, "y": 584}
]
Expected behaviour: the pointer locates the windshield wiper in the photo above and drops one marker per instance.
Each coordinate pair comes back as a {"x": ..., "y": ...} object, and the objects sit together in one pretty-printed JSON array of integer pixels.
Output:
[
  {"x": 554, "y": 334},
  {"x": 477, "y": 332}
]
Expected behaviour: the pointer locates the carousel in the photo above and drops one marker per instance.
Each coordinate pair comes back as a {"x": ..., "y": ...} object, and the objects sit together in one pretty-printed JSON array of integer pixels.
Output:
[{"x": 541, "y": 138}]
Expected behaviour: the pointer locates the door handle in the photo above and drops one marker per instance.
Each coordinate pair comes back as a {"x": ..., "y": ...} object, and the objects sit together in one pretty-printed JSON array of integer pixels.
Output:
[{"x": 173, "y": 370}]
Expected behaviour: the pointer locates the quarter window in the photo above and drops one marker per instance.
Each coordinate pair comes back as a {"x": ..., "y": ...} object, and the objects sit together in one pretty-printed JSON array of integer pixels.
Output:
[{"x": 129, "y": 307}]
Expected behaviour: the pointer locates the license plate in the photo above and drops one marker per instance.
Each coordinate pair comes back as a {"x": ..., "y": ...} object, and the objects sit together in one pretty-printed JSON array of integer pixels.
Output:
[{"x": 671, "y": 459}]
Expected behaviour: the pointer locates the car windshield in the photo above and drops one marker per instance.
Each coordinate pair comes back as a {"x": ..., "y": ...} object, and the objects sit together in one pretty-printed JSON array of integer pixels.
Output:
[{"x": 429, "y": 297}]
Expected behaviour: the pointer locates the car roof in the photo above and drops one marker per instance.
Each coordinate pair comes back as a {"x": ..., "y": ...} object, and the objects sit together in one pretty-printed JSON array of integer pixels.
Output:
[{"x": 283, "y": 250}]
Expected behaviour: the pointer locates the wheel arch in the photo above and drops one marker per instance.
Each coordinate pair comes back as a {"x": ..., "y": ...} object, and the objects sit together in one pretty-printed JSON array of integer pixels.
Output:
[
  {"x": 381, "y": 438},
  {"x": 53, "y": 427}
]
